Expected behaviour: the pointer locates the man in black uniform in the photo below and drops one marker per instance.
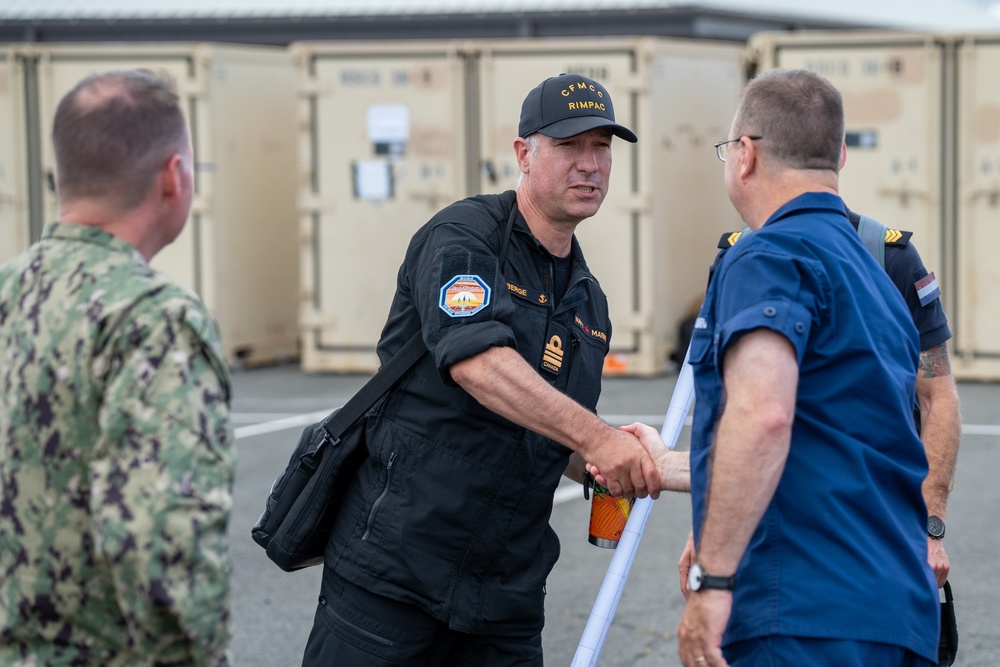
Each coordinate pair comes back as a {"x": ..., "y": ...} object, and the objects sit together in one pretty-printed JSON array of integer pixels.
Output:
[
  {"x": 939, "y": 419},
  {"x": 441, "y": 550},
  {"x": 938, "y": 414}
]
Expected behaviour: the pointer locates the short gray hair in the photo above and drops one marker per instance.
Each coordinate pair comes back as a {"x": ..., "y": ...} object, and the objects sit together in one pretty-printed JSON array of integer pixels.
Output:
[
  {"x": 532, "y": 141},
  {"x": 798, "y": 114}
]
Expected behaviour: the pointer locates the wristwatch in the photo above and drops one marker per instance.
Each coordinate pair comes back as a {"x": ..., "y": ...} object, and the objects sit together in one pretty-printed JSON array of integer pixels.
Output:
[
  {"x": 935, "y": 527},
  {"x": 698, "y": 580}
]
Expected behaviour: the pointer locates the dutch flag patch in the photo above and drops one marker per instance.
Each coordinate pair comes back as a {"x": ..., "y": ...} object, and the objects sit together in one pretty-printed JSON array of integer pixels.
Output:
[{"x": 927, "y": 289}]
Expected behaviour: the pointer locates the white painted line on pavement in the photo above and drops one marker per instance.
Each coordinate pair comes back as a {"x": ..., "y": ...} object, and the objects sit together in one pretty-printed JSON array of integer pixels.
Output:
[
  {"x": 272, "y": 425},
  {"x": 276, "y": 425},
  {"x": 258, "y": 417},
  {"x": 295, "y": 421},
  {"x": 564, "y": 494},
  {"x": 980, "y": 429}
]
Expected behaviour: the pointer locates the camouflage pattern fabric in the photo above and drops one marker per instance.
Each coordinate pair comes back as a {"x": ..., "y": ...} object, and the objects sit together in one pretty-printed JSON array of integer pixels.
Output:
[{"x": 116, "y": 461}]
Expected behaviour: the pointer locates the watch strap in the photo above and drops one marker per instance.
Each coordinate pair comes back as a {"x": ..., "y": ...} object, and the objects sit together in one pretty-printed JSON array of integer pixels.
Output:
[
  {"x": 717, "y": 583},
  {"x": 698, "y": 580}
]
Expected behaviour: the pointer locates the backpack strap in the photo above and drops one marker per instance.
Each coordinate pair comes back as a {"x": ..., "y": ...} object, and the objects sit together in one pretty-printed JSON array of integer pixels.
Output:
[{"x": 873, "y": 235}]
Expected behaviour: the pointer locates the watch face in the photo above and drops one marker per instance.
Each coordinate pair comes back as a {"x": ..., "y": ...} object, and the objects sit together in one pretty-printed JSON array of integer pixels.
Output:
[
  {"x": 694, "y": 577},
  {"x": 935, "y": 527}
]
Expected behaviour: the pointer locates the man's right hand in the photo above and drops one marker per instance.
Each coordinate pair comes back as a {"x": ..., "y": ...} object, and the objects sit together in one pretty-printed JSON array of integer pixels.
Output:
[
  {"x": 623, "y": 466},
  {"x": 674, "y": 467}
]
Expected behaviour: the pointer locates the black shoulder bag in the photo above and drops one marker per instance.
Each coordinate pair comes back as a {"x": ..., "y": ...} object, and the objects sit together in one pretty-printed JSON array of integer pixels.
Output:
[
  {"x": 948, "y": 643},
  {"x": 304, "y": 499}
]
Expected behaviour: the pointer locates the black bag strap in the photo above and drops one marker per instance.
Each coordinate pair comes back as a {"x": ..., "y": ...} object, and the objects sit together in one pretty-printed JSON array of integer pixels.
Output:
[{"x": 341, "y": 420}]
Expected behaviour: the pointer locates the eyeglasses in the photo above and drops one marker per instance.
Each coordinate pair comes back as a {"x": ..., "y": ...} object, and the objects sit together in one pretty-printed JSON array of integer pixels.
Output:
[{"x": 722, "y": 147}]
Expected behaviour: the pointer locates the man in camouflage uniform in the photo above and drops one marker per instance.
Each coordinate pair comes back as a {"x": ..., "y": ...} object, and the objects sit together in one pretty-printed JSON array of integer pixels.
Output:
[{"x": 116, "y": 454}]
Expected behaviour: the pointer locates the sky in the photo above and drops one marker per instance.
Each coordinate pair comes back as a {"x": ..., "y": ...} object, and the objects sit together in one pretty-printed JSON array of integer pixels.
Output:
[{"x": 992, "y": 6}]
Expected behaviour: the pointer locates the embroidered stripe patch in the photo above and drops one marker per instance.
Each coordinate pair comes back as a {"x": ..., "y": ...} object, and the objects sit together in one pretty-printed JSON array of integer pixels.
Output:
[{"x": 927, "y": 289}]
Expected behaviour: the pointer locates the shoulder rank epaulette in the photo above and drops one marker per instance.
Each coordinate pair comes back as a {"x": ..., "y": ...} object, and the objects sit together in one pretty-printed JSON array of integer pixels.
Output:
[
  {"x": 729, "y": 239},
  {"x": 895, "y": 237}
]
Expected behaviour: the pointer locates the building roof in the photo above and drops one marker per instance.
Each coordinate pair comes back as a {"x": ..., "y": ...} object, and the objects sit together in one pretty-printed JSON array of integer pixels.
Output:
[
  {"x": 914, "y": 14},
  {"x": 281, "y": 22}
]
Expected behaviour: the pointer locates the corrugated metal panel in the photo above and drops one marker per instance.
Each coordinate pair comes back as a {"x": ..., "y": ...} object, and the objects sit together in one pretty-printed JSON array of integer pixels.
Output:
[{"x": 938, "y": 14}]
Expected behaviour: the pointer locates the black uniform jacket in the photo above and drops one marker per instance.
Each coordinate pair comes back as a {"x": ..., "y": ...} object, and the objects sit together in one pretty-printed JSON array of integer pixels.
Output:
[{"x": 451, "y": 510}]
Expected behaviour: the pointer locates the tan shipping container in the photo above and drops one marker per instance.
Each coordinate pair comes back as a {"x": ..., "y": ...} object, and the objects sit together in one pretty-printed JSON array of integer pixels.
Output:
[
  {"x": 923, "y": 130},
  {"x": 14, "y": 232},
  {"x": 382, "y": 148},
  {"x": 239, "y": 249},
  {"x": 893, "y": 90},
  {"x": 976, "y": 346},
  {"x": 455, "y": 107}
]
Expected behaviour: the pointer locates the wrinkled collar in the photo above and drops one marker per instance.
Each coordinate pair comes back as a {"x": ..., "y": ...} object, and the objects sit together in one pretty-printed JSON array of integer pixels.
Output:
[{"x": 71, "y": 231}]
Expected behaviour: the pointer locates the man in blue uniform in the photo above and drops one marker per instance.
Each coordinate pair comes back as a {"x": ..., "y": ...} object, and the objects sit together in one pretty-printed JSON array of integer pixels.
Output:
[
  {"x": 938, "y": 415},
  {"x": 441, "y": 549},
  {"x": 807, "y": 510}
]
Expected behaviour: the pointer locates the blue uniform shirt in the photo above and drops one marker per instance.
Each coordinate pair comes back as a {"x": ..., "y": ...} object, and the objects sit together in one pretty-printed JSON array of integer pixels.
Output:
[{"x": 841, "y": 550}]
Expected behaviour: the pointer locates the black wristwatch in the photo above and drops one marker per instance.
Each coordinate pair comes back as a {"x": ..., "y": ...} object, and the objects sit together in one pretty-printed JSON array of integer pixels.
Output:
[
  {"x": 935, "y": 527},
  {"x": 698, "y": 580}
]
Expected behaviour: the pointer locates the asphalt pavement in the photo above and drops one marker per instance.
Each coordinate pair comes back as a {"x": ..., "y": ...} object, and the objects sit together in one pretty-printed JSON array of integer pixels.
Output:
[{"x": 273, "y": 610}]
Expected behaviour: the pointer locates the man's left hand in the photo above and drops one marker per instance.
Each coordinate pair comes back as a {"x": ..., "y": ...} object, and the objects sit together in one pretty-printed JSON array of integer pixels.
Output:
[
  {"x": 938, "y": 559},
  {"x": 699, "y": 634}
]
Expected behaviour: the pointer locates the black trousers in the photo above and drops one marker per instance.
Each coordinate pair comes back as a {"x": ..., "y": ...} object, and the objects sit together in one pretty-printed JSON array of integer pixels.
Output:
[{"x": 354, "y": 628}]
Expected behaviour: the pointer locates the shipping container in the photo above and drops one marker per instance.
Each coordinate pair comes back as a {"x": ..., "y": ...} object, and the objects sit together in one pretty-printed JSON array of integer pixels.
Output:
[
  {"x": 14, "y": 226},
  {"x": 396, "y": 132},
  {"x": 239, "y": 248},
  {"x": 923, "y": 135},
  {"x": 382, "y": 148},
  {"x": 893, "y": 86},
  {"x": 973, "y": 311}
]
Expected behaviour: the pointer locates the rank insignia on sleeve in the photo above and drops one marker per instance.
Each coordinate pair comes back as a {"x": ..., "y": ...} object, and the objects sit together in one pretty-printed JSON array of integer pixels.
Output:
[
  {"x": 927, "y": 289},
  {"x": 464, "y": 296}
]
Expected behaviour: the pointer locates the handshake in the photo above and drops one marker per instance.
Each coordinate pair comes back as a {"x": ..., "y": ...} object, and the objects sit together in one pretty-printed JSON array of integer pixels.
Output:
[{"x": 635, "y": 462}]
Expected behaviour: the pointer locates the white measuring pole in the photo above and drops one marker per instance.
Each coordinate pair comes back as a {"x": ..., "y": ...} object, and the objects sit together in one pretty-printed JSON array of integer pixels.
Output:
[{"x": 596, "y": 631}]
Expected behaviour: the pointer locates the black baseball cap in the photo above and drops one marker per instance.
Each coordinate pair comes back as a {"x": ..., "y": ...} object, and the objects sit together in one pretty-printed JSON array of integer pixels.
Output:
[{"x": 567, "y": 105}]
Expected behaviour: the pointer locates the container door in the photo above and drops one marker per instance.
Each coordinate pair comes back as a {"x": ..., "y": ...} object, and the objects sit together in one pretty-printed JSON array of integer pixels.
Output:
[
  {"x": 694, "y": 92},
  {"x": 974, "y": 317},
  {"x": 892, "y": 94},
  {"x": 610, "y": 240},
  {"x": 13, "y": 196},
  {"x": 386, "y": 150},
  {"x": 58, "y": 73},
  {"x": 249, "y": 183}
]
